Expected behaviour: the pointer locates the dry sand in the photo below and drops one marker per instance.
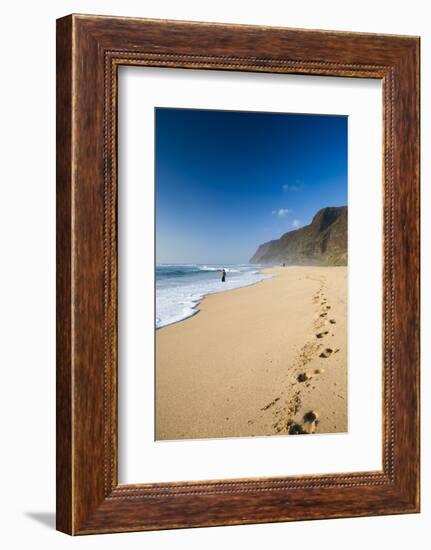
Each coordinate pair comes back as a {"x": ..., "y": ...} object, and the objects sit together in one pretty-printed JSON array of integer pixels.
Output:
[{"x": 260, "y": 360}]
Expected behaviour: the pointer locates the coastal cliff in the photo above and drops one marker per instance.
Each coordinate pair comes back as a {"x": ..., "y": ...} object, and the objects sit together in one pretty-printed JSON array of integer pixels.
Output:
[{"x": 322, "y": 242}]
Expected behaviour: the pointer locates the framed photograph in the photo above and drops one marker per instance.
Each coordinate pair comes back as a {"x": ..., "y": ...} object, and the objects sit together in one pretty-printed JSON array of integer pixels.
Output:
[{"x": 237, "y": 264}]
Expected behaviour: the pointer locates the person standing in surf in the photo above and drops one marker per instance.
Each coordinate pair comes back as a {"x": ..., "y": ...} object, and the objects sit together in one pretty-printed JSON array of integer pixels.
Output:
[{"x": 223, "y": 275}]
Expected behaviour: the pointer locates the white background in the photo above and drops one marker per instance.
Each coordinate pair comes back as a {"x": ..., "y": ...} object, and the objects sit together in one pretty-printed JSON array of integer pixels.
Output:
[
  {"x": 141, "y": 458},
  {"x": 27, "y": 125}
]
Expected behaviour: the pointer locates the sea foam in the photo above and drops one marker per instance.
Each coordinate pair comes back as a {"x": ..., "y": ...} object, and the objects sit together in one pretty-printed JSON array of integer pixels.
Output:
[{"x": 180, "y": 287}]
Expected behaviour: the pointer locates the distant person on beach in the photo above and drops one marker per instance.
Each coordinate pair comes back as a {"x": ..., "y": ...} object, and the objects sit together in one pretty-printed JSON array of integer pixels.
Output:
[{"x": 223, "y": 275}]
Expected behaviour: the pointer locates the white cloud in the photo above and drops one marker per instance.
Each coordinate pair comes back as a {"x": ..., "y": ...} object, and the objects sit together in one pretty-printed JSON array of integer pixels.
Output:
[
  {"x": 297, "y": 186},
  {"x": 296, "y": 223},
  {"x": 281, "y": 212}
]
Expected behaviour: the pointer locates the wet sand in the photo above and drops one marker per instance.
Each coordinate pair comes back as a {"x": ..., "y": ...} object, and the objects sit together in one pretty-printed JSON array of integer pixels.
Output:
[{"x": 266, "y": 359}]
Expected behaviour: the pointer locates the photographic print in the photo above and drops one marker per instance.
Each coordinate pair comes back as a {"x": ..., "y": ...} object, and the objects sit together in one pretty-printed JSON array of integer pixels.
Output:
[{"x": 251, "y": 274}]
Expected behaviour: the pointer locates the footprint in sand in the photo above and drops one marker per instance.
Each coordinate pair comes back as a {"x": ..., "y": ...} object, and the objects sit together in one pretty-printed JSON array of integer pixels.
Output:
[
  {"x": 311, "y": 419},
  {"x": 293, "y": 428},
  {"x": 270, "y": 404},
  {"x": 308, "y": 427},
  {"x": 323, "y": 314},
  {"x": 326, "y": 353},
  {"x": 306, "y": 376},
  {"x": 332, "y": 321},
  {"x": 322, "y": 334}
]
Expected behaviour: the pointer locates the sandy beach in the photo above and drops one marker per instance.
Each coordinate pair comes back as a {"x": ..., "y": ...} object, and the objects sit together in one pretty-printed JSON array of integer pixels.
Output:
[{"x": 266, "y": 359}]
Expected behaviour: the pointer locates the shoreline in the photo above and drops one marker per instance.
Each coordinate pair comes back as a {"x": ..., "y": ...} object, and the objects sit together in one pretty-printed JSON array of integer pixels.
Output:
[
  {"x": 197, "y": 304},
  {"x": 211, "y": 382}
]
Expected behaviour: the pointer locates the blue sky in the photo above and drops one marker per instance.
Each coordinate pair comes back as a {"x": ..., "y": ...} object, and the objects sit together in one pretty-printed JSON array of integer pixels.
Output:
[{"x": 227, "y": 181}]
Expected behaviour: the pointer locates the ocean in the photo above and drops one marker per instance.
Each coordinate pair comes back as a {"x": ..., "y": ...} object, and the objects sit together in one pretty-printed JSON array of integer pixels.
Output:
[{"x": 180, "y": 287}]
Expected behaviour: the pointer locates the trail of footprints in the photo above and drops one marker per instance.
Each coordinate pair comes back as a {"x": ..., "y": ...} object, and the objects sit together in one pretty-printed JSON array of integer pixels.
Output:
[{"x": 286, "y": 410}]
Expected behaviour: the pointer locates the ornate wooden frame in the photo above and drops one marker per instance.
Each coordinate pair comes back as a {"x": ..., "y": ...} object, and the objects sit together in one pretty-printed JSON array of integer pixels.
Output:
[{"x": 89, "y": 51}]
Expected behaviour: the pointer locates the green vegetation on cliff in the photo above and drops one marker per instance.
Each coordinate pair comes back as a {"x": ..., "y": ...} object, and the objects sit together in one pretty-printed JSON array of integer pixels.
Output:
[{"x": 322, "y": 242}]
